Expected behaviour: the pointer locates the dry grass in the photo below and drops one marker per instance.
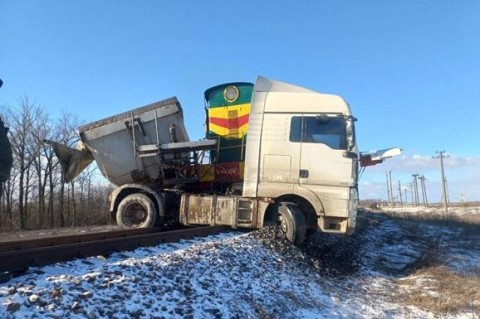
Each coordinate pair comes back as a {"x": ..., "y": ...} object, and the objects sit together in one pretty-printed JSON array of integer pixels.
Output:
[
  {"x": 434, "y": 286},
  {"x": 429, "y": 282},
  {"x": 440, "y": 290},
  {"x": 438, "y": 217}
]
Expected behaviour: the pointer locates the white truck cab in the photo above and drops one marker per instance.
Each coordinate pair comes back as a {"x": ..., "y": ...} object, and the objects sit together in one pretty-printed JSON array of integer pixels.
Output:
[{"x": 301, "y": 147}]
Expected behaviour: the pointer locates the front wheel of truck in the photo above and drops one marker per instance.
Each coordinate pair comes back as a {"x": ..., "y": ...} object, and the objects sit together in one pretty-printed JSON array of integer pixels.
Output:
[
  {"x": 136, "y": 211},
  {"x": 292, "y": 222}
]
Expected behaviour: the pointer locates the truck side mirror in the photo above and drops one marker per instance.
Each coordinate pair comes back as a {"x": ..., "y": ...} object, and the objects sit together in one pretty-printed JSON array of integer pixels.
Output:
[{"x": 351, "y": 155}]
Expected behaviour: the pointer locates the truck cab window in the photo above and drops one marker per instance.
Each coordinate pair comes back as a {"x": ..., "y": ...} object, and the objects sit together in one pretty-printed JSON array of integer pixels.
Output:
[{"x": 310, "y": 129}]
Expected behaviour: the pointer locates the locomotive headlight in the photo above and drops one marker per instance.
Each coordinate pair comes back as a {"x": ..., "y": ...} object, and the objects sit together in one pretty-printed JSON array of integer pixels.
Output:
[{"x": 231, "y": 93}]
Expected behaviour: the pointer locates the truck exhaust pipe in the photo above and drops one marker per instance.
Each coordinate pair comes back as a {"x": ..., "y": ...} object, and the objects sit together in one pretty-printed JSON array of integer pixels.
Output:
[{"x": 72, "y": 160}]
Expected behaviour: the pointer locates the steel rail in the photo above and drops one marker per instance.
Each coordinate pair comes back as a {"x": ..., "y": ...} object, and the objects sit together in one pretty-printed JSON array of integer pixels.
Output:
[
  {"x": 55, "y": 240},
  {"x": 16, "y": 261}
]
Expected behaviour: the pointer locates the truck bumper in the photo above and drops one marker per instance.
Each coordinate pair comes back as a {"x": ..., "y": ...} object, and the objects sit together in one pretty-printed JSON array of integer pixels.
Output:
[{"x": 342, "y": 225}]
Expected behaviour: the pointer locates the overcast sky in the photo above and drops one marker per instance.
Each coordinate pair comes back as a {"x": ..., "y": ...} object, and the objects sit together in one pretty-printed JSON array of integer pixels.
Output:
[{"x": 409, "y": 69}]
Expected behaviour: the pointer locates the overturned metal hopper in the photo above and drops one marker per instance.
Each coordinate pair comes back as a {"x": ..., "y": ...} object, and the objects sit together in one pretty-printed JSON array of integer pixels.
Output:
[
  {"x": 125, "y": 146},
  {"x": 148, "y": 145}
]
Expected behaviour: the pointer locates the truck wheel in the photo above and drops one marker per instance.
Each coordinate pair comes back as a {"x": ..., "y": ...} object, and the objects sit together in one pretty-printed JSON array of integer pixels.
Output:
[
  {"x": 136, "y": 211},
  {"x": 292, "y": 222}
]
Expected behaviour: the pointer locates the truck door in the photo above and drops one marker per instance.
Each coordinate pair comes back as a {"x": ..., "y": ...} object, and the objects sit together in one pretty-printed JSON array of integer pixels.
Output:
[
  {"x": 280, "y": 157},
  {"x": 324, "y": 144}
]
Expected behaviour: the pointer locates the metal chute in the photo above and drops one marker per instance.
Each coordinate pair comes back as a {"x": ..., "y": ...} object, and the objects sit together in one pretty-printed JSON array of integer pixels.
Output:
[
  {"x": 72, "y": 160},
  {"x": 377, "y": 157}
]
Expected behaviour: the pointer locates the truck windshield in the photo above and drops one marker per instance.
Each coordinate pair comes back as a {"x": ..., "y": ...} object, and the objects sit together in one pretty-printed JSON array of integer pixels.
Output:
[{"x": 313, "y": 129}]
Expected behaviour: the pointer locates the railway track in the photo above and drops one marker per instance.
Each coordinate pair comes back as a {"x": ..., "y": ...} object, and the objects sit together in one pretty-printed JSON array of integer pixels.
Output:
[{"x": 18, "y": 255}]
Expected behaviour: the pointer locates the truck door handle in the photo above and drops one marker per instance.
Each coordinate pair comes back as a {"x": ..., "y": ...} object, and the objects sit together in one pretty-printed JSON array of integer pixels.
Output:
[{"x": 304, "y": 173}]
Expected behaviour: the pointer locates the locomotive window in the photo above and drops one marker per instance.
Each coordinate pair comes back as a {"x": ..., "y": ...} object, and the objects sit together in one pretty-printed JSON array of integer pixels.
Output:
[{"x": 319, "y": 129}]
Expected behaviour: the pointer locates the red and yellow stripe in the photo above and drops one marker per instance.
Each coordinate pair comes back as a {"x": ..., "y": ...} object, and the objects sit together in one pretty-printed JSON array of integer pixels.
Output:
[{"x": 230, "y": 122}]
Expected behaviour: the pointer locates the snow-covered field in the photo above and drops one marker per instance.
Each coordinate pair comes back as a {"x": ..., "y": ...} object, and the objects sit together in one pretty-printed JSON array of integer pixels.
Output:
[{"x": 394, "y": 266}]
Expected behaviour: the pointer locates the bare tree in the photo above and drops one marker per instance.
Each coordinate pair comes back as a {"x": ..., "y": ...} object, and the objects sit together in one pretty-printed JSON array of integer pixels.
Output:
[
  {"x": 8, "y": 200},
  {"x": 35, "y": 195},
  {"x": 39, "y": 133},
  {"x": 66, "y": 135},
  {"x": 84, "y": 182},
  {"x": 24, "y": 125},
  {"x": 54, "y": 176}
]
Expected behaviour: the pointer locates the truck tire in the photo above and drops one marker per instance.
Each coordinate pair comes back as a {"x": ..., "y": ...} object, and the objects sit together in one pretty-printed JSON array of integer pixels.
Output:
[
  {"x": 136, "y": 211},
  {"x": 292, "y": 222}
]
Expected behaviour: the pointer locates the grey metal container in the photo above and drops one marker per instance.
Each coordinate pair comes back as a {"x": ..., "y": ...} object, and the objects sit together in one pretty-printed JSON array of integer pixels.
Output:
[
  {"x": 126, "y": 146},
  {"x": 148, "y": 145}
]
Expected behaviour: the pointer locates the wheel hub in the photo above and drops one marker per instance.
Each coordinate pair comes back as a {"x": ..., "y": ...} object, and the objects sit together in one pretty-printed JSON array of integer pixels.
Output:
[
  {"x": 135, "y": 214},
  {"x": 283, "y": 223}
]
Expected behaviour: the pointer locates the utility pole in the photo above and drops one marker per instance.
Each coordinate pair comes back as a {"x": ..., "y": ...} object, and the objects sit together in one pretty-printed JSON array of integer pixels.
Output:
[
  {"x": 411, "y": 192},
  {"x": 388, "y": 190},
  {"x": 406, "y": 198},
  {"x": 444, "y": 188},
  {"x": 446, "y": 191},
  {"x": 400, "y": 193},
  {"x": 415, "y": 186},
  {"x": 391, "y": 189},
  {"x": 424, "y": 190}
]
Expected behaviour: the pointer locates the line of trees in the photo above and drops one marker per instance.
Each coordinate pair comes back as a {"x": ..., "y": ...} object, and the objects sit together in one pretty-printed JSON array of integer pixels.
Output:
[{"x": 35, "y": 196}]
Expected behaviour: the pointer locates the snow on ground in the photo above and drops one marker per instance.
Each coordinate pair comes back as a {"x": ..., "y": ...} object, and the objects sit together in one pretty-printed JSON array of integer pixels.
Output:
[
  {"x": 455, "y": 211},
  {"x": 371, "y": 274}
]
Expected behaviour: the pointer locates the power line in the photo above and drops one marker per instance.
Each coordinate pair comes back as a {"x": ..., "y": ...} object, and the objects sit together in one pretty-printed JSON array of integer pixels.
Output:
[{"x": 462, "y": 127}]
